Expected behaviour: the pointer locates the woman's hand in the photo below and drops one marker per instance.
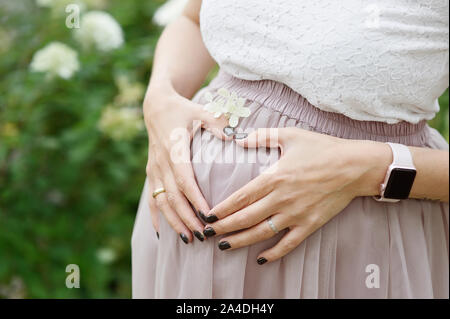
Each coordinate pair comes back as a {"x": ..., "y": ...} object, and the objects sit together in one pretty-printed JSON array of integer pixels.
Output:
[
  {"x": 315, "y": 178},
  {"x": 171, "y": 122}
]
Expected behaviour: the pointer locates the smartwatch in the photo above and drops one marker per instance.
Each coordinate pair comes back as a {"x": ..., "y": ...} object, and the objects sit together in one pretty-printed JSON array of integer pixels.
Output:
[{"x": 399, "y": 177}]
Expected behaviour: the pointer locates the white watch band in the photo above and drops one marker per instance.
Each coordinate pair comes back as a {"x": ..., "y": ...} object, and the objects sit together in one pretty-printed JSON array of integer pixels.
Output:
[
  {"x": 401, "y": 156},
  {"x": 401, "y": 159}
]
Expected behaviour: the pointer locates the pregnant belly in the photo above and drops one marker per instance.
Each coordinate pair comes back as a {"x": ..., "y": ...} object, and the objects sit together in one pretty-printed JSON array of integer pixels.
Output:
[{"x": 222, "y": 167}]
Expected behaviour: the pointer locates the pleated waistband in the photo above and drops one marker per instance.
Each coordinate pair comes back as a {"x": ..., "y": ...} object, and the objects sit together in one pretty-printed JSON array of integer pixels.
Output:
[{"x": 280, "y": 98}]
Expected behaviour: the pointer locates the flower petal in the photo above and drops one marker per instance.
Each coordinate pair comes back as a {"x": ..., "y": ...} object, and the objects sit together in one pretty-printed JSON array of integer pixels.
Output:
[
  {"x": 223, "y": 92},
  {"x": 230, "y": 106},
  {"x": 233, "y": 122}
]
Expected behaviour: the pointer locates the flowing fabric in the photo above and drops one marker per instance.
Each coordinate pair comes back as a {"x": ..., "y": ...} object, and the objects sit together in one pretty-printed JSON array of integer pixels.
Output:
[{"x": 406, "y": 241}]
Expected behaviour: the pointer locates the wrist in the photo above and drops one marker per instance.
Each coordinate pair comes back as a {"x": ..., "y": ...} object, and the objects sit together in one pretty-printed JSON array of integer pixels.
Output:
[
  {"x": 158, "y": 91},
  {"x": 372, "y": 160},
  {"x": 160, "y": 87}
]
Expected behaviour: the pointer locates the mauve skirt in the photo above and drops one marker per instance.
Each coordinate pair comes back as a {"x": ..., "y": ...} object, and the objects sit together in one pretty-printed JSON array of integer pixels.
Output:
[{"x": 408, "y": 241}]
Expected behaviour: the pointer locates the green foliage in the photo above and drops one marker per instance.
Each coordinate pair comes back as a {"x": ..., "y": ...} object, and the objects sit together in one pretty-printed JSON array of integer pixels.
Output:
[
  {"x": 68, "y": 192},
  {"x": 440, "y": 122}
]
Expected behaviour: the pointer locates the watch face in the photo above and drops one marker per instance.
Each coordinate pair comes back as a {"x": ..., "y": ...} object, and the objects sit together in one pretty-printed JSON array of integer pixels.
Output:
[{"x": 400, "y": 183}]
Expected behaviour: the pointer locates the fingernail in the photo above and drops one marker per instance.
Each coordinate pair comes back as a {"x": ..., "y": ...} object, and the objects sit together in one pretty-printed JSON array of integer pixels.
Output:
[
  {"x": 261, "y": 260},
  {"x": 240, "y": 136},
  {"x": 211, "y": 218},
  {"x": 199, "y": 235},
  {"x": 157, "y": 235},
  {"x": 209, "y": 231},
  {"x": 228, "y": 130},
  {"x": 184, "y": 238},
  {"x": 202, "y": 216},
  {"x": 223, "y": 245}
]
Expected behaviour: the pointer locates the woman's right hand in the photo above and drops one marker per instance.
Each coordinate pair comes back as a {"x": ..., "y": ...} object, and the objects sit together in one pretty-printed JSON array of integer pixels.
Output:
[{"x": 171, "y": 122}]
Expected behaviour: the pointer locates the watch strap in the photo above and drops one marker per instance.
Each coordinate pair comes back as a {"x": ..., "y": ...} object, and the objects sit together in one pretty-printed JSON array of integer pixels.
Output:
[{"x": 401, "y": 157}]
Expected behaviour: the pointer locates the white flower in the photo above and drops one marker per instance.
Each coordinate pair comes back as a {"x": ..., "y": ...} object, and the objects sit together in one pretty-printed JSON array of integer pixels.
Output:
[
  {"x": 169, "y": 11},
  {"x": 228, "y": 104},
  {"x": 100, "y": 30},
  {"x": 121, "y": 123},
  {"x": 106, "y": 255},
  {"x": 57, "y": 59},
  {"x": 216, "y": 107}
]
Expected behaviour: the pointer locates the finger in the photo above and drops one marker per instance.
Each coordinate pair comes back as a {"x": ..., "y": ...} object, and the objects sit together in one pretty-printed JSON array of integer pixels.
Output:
[
  {"x": 244, "y": 218},
  {"x": 255, "y": 234},
  {"x": 172, "y": 218},
  {"x": 185, "y": 179},
  {"x": 154, "y": 212},
  {"x": 262, "y": 137},
  {"x": 182, "y": 207},
  {"x": 245, "y": 196},
  {"x": 289, "y": 242}
]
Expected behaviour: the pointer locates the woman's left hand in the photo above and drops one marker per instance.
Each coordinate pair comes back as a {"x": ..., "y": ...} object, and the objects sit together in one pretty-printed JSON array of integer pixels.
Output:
[{"x": 315, "y": 178}]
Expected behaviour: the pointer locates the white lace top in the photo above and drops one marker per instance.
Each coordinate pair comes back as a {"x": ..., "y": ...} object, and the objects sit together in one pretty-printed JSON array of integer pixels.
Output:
[{"x": 370, "y": 60}]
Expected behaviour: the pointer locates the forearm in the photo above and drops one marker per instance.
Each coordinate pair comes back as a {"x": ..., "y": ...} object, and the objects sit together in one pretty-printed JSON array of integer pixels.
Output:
[
  {"x": 181, "y": 60},
  {"x": 432, "y": 179}
]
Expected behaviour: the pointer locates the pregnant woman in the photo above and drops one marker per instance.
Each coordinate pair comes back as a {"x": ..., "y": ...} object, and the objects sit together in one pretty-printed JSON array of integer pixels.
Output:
[{"x": 305, "y": 169}]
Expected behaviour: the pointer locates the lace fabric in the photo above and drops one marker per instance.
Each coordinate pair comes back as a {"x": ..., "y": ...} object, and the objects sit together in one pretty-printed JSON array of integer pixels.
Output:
[{"x": 385, "y": 61}]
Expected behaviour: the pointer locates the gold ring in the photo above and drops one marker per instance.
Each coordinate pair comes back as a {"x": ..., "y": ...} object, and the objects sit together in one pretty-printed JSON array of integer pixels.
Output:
[{"x": 158, "y": 191}]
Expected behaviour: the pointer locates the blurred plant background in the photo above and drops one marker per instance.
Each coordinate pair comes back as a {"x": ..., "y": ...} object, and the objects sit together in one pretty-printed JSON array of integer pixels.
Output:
[{"x": 73, "y": 152}]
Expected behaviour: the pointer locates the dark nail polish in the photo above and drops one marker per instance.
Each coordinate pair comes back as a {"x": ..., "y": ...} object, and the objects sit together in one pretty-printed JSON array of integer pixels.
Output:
[
  {"x": 228, "y": 131},
  {"x": 184, "y": 238},
  {"x": 211, "y": 218},
  {"x": 209, "y": 231},
  {"x": 223, "y": 245},
  {"x": 240, "y": 136},
  {"x": 157, "y": 235},
  {"x": 261, "y": 261},
  {"x": 202, "y": 216},
  {"x": 199, "y": 235}
]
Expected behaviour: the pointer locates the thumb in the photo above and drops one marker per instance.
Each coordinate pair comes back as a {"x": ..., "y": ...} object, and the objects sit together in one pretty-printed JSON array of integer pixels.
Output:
[{"x": 262, "y": 137}]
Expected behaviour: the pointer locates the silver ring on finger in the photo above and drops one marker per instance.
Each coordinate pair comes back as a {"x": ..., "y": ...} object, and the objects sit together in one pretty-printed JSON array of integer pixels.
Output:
[{"x": 272, "y": 226}]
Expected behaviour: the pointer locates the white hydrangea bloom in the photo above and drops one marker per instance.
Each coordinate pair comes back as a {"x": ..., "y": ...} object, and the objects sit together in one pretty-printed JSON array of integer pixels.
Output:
[
  {"x": 121, "y": 123},
  {"x": 216, "y": 107},
  {"x": 56, "y": 59},
  {"x": 227, "y": 103},
  {"x": 106, "y": 255},
  {"x": 100, "y": 30},
  {"x": 168, "y": 12}
]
